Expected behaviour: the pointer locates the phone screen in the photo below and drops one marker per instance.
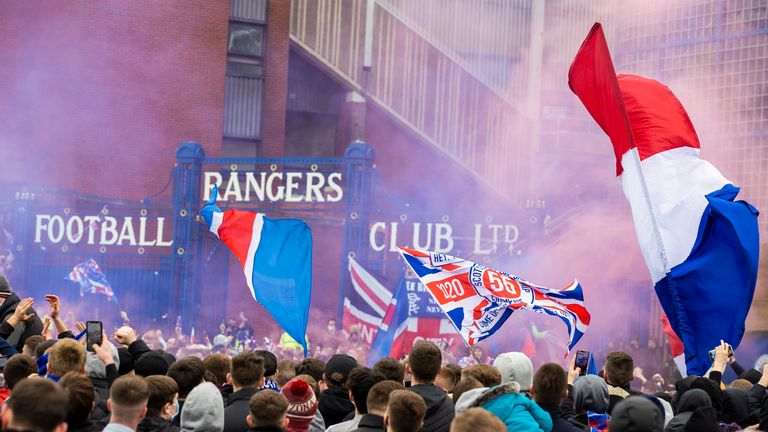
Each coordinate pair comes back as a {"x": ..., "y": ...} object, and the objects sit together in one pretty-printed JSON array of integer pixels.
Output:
[
  {"x": 582, "y": 361},
  {"x": 94, "y": 334}
]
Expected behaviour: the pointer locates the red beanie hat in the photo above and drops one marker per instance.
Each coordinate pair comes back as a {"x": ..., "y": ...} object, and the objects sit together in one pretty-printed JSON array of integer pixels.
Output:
[{"x": 302, "y": 404}]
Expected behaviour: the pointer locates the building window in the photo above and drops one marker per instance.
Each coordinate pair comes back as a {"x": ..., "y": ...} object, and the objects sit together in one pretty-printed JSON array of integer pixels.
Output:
[
  {"x": 245, "y": 73},
  {"x": 245, "y": 39}
]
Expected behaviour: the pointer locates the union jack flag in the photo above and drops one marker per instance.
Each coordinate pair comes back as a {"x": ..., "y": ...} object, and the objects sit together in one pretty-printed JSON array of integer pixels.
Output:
[
  {"x": 411, "y": 316},
  {"x": 90, "y": 278},
  {"x": 478, "y": 300}
]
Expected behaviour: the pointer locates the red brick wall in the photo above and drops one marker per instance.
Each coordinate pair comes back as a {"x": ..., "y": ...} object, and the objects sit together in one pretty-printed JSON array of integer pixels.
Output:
[{"x": 96, "y": 95}]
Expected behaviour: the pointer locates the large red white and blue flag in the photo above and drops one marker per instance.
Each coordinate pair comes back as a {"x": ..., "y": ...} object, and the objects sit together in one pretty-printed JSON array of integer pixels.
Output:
[
  {"x": 276, "y": 255},
  {"x": 478, "y": 300},
  {"x": 700, "y": 245}
]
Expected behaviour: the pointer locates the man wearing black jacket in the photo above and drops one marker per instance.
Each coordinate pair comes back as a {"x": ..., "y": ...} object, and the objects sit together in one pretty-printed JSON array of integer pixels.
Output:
[
  {"x": 16, "y": 328},
  {"x": 424, "y": 363},
  {"x": 246, "y": 376}
]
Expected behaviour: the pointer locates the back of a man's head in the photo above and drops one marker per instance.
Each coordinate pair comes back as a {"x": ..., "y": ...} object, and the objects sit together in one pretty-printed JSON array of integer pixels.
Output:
[
  {"x": 477, "y": 420},
  {"x": 618, "y": 369},
  {"x": 286, "y": 371},
  {"x": 270, "y": 362},
  {"x": 313, "y": 367},
  {"x": 267, "y": 409},
  {"x": 162, "y": 390},
  {"x": 424, "y": 361},
  {"x": 390, "y": 368},
  {"x": 31, "y": 343},
  {"x": 128, "y": 398},
  {"x": 359, "y": 383},
  {"x": 550, "y": 385},
  {"x": 67, "y": 355},
  {"x": 43, "y": 346},
  {"x": 80, "y": 397},
  {"x": 488, "y": 375},
  {"x": 218, "y": 365},
  {"x": 247, "y": 370},
  {"x": 188, "y": 373},
  {"x": 37, "y": 405},
  {"x": 18, "y": 368},
  {"x": 445, "y": 380},
  {"x": 464, "y": 385},
  {"x": 378, "y": 396},
  {"x": 405, "y": 412}
]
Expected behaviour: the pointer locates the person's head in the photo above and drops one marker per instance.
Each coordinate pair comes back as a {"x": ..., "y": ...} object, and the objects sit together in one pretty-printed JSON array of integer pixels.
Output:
[
  {"x": 286, "y": 371},
  {"x": 18, "y": 368},
  {"x": 331, "y": 326},
  {"x": 37, "y": 405},
  {"x": 476, "y": 420},
  {"x": 405, "y": 412},
  {"x": 219, "y": 366},
  {"x": 81, "y": 398},
  {"x": 456, "y": 369},
  {"x": 463, "y": 386},
  {"x": 590, "y": 393},
  {"x": 313, "y": 367},
  {"x": 618, "y": 369},
  {"x": 378, "y": 396},
  {"x": 247, "y": 370},
  {"x": 43, "y": 347},
  {"x": 337, "y": 369},
  {"x": 31, "y": 343},
  {"x": 550, "y": 385},
  {"x": 188, "y": 373},
  {"x": 390, "y": 368},
  {"x": 741, "y": 384},
  {"x": 67, "y": 355},
  {"x": 163, "y": 397},
  {"x": 488, "y": 375},
  {"x": 302, "y": 404},
  {"x": 156, "y": 362},
  {"x": 636, "y": 414},
  {"x": 445, "y": 380},
  {"x": 270, "y": 363},
  {"x": 424, "y": 362},
  {"x": 515, "y": 367},
  {"x": 203, "y": 409},
  {"x": 359, "y": 382},
  {"x": 128, "y": 400},
  {"x": 267, "y": 408}
]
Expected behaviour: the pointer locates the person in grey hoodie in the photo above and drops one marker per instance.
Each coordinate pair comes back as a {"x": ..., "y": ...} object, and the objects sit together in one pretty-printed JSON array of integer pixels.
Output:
[
  {"x": 515, "y": 367},
  {"x": 203, "y": 410}
]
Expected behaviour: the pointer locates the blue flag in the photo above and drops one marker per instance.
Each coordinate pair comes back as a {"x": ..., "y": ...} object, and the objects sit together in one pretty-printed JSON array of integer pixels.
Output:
[{"x": 276, "y": 255}]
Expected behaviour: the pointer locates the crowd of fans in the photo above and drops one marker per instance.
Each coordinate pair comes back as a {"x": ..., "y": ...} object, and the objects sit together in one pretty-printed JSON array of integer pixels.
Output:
[{"x": 57, "y": 384}]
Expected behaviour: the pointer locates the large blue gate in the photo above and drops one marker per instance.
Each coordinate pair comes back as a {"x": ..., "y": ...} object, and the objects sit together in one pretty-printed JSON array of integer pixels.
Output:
[{"x": 156, "y": 253}]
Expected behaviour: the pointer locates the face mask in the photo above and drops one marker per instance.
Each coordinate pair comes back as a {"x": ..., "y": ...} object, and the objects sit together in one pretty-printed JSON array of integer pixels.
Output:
[{"x": 175, "y": 410}]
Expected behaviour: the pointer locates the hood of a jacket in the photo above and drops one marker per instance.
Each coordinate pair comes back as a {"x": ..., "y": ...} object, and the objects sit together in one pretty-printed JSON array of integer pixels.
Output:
[
  {"x": 590, "y": 393},
  {"x": 203, "y": 409}
]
